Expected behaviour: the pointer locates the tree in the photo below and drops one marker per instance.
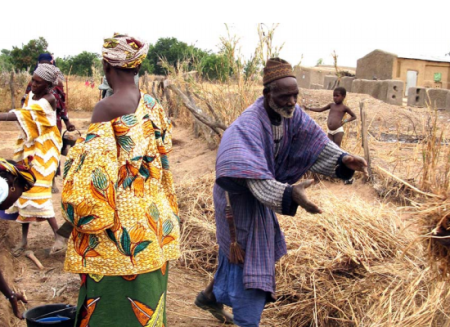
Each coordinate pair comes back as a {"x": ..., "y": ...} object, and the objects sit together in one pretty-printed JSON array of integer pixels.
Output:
[
  {"x": 216, "y": 67},
  {"x": 173, "y": 51},
  {"x": 319, "y": 62},
  {"x": 63, "y": 64},
  {"x": 6, "y": 61},
  {"x": 252, "y": 68},
  {"x": 146, "y": 66},
  {"x": 80, "y": 64},
  {"x": 25, "y": 58}
]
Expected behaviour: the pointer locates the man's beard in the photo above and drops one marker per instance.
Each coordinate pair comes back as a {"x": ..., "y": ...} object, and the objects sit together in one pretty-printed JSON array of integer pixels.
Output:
[{"x": 285, "y": 112}]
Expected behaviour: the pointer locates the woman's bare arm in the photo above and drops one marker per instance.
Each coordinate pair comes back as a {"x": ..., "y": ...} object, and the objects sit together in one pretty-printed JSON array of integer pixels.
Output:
[{"x": 8, "y": 116}]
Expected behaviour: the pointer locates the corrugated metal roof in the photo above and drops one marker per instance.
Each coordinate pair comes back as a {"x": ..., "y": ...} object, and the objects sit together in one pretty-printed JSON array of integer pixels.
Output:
[
  {"x": 329, "y": 69},
  {"x": 424, "y": 57},
  {"x": 413, "y": 56}
]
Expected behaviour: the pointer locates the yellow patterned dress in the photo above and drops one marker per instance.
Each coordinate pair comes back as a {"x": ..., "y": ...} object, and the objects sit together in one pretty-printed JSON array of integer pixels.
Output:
[
  {"x": 118, "y": 193},
  {"x": 41, "y": 139}
]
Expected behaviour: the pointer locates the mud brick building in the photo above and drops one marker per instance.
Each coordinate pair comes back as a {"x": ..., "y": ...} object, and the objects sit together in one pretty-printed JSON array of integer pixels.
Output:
[{"x": 413, "y": 71}]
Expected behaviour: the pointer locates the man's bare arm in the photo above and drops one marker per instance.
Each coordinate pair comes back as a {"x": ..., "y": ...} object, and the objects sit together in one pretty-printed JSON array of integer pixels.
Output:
[{"x": 327, "y": 107}]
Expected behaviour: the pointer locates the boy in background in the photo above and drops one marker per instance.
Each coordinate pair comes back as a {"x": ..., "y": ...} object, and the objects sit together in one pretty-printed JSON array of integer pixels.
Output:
[
  {"x": 337, "y": 113},
  {"x": 335, "y": 118}
]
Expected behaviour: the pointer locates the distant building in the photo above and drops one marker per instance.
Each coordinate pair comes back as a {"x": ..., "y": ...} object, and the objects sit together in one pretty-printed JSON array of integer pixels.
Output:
[
  {"x": 413, "y": 71},
  {"x": 313, "y": 77}
]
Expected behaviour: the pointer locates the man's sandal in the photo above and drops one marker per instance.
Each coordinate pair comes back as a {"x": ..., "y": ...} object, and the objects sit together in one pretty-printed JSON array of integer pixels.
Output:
[{"x": 215, "y": 308}]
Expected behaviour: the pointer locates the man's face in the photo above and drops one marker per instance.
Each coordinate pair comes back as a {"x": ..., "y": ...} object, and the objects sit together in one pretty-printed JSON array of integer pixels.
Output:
[{"x": 283, "y": 97}]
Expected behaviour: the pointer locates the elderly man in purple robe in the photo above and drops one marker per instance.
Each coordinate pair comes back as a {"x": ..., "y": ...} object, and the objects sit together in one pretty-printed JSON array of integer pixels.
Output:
[{"x": 261, "y": 157}]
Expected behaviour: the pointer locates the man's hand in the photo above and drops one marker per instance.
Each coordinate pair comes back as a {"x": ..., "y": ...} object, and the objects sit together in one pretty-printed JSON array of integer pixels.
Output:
[
  {"x": 70, "y": 127},
  {"x": 299, "y": 196},
  {"x": 14, "y": 301},
  {"x": 441, "y": 234},
  {"x": 356, "y": 163}
]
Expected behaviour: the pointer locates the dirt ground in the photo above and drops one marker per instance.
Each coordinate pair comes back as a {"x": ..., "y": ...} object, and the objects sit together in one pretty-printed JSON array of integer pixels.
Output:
[{"x": 191, "y": 158}]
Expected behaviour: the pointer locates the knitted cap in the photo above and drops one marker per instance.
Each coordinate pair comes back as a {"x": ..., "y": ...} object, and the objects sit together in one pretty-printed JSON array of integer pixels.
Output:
[{"x": 277, "y": 68}]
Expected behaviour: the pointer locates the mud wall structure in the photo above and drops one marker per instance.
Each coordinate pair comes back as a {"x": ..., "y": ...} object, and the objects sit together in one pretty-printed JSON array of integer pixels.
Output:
[
  {"x": 433, "y": 98},
  {"x": 377, "y": 65},
  {"x": 347, "y": 82},
  {"x": 312, "y": 77},
  {"x": 330, "y": 82},
  {"x": 389, "y": 91}
]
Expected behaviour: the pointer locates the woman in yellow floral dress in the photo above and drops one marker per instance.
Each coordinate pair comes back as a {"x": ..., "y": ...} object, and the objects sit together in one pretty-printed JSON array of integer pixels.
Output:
[{"x": 118, "y": 194}]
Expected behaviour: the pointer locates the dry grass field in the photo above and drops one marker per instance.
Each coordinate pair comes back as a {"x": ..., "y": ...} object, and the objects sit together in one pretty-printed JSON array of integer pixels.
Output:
[{"x": 368, "y": 260}]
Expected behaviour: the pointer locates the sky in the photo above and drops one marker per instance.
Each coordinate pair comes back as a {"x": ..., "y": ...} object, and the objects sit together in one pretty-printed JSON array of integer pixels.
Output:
[{"x": 312, "y": 30}]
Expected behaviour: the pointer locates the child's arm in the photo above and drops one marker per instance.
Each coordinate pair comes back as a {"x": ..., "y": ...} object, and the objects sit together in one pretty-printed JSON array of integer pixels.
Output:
[
  {"x": 352, "y": 116},
  {"x": 327, "y": 107}
]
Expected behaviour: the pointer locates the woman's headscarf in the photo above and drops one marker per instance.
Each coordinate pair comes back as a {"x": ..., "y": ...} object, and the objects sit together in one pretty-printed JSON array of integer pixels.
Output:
[
  {"x": 44, "y": 57},
  {"x": 124, "y": 51},
  {"x": 19, "y": 170},
  {"x": 49, "y": 73}
]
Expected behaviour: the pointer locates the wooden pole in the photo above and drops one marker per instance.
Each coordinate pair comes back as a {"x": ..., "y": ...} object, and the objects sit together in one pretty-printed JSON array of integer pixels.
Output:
[
  {"x": 145, "y": 83},
  {"x": 169, "y": 103},
  {"x": 361, "y": 109},
  {"x": 67, "y": 91},
  {"x": 365, "y": 140},
  {"x": 196, "y": 123},
  {"x": 67, "y": 88},
  {"x": 154, "y": 91},
  {"x": 11, "y": 86}
]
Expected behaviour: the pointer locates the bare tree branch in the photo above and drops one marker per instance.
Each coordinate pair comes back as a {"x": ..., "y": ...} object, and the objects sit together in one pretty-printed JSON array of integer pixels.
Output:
[
  {"x": 217, "y": 127},
  {"x": 208, "y": 104}
]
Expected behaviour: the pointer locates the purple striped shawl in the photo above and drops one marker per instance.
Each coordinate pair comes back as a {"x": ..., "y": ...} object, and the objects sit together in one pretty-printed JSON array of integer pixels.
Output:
[{"x": 247, "y": 151}]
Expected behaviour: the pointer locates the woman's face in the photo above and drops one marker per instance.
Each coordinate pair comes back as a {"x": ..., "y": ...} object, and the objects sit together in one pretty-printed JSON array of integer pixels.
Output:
[
  {"x": 38, "y": 85},
  {"x": 14, "y": 194}
]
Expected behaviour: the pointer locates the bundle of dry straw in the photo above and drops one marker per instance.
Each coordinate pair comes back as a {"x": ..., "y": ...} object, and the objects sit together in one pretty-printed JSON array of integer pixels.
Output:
[
  {"x": 346, "y": 267},
  {"x": 433, "y": 218},
  {"x": 198, "y": 230}
]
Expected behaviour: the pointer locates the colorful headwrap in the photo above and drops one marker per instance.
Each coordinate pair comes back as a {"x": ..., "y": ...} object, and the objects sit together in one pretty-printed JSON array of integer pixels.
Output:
[
  {"x": 124, "y": 51},
  {"x": 49, "y": 73},
  {"x": 277, "y": 68},
  {"x": 23, "y": 170}
]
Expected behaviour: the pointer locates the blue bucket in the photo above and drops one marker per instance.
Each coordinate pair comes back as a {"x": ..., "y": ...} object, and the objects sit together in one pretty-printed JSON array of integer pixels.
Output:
[
  {"x": 54, "y": 315},
  {"x": 8, "y": 216}
]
